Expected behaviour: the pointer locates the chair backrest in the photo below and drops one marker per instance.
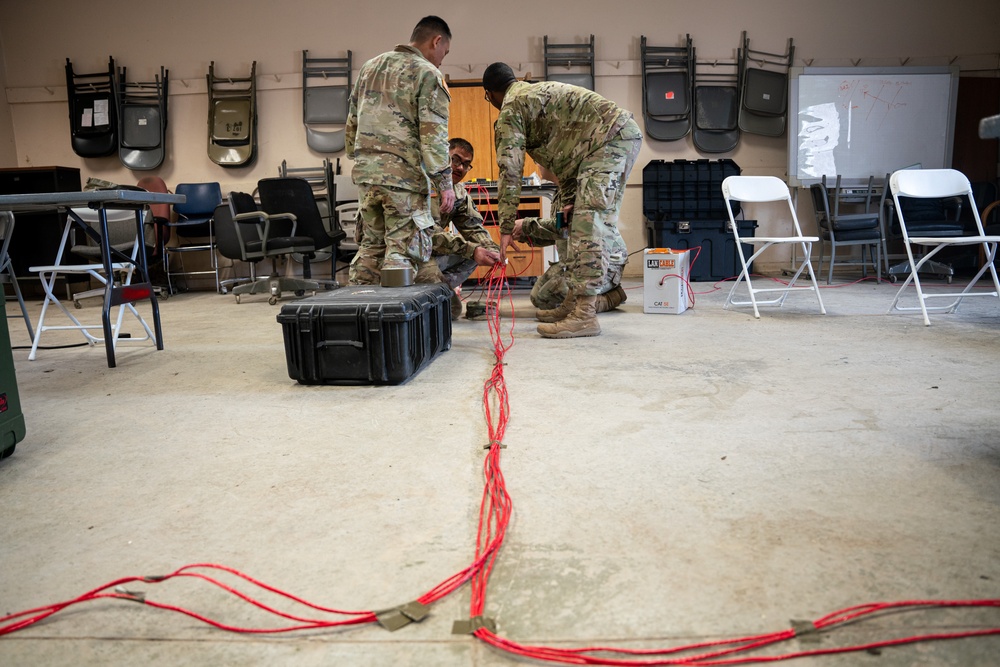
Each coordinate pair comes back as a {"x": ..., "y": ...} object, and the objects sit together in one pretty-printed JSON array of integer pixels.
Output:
[
  {"x": 202, "y": 198},
  {"x": 758, "y": 189},
  {"x": 295, "y": 196},
  {"x": 933, "y": 184},
  {"x": 161, "y": 212},
  {"x": 755, "y": 189}
]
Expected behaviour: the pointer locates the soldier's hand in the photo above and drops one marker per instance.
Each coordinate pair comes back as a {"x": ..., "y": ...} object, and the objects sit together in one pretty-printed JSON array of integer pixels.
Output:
[
  {"x": 485, "y": 257},
  {"x": 568, "y": 213},
  {"x": 447, "y": 200},
  {"x": 505, "y": 241},
  {"x": 518, "y": 233}
]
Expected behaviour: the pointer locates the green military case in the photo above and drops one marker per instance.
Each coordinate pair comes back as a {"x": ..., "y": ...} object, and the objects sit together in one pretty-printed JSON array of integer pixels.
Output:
[{"x": 11, "y": 419}]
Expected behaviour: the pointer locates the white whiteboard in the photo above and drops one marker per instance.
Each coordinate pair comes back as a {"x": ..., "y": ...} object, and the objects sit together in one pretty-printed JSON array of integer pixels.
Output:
[{"x": 858, "y": 122}]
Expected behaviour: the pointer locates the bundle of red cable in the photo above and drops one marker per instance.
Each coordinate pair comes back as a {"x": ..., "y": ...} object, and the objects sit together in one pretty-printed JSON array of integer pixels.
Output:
[{"x": 494, "y": 517}]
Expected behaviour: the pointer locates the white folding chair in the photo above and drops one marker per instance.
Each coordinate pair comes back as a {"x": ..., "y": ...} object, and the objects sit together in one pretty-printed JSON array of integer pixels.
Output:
[
  {"x": 939, "y": 184},
  {"x": 761, "y": 189},
  {"x": 117, "y": 220}
]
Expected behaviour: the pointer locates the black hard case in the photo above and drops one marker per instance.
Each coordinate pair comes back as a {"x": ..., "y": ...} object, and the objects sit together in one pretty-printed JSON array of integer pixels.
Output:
[{"x": 366, "y": 334}]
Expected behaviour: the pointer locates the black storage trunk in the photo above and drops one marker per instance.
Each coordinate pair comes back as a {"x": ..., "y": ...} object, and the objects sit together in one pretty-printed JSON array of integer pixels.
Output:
[
  {"x": 718, "y": 259},
  {"x": 366, "y": 334},
  {"x": 686, "y": 189}
]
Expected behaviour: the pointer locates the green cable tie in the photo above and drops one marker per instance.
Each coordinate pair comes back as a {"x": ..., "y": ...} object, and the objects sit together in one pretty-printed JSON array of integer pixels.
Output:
[
  {"x": 805, "y": 630},
  {"x": 467, "y": 626},
  {"x": 397, "y": 617}
]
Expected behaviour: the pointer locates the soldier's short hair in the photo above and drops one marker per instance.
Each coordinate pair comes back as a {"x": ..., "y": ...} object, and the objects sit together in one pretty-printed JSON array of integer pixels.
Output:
[
  {"x": 428, "y": 28},
  {"x": 498, "y": 77},
  {"x": 459, "y": 142}
]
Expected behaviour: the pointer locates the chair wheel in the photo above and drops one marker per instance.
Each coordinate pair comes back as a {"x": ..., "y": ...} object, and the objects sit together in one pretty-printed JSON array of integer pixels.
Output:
[
  {"x": 948, "y": 279},
  {"x": 272, "y": 300},
  {"x": 237, "y": 298},
  {"x": 77, "y": 304},
  {"x": 300, "y": 292},
  {"x": 893, "y": 278}
]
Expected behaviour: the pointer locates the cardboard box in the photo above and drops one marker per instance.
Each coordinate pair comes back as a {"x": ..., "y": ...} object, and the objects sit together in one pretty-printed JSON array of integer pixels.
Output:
[{"x": 665, "y": 280}]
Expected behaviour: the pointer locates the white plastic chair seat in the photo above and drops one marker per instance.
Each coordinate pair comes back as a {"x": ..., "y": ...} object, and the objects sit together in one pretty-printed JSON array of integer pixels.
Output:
[
  {"x": 763, "y": 189},
  {"x": 939, "y": 184}
]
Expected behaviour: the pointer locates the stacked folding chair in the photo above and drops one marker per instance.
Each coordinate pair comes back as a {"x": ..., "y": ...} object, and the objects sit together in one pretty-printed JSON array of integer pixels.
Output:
[
  {"x": 326, "y": 103},
  {"x": 764, "y": 98},
  {"x": 716, "y": 105},
  {"x": 667, "y": 73},
  {"x": 232, "y": 118},
  {"x": 142, "y": 121},
  {"x": 578, "y": 59},
  {"x": 93, "y": 111}
]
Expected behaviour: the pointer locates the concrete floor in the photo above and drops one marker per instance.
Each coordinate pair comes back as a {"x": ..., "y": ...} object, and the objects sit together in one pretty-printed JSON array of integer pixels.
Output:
[{"x": 677, "y": 479}]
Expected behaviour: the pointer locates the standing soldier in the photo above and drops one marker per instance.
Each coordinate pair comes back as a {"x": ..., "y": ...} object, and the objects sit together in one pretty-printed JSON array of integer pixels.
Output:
[
  {"x": 581, "y": 137},
  {"x": 397, "y": 134}
]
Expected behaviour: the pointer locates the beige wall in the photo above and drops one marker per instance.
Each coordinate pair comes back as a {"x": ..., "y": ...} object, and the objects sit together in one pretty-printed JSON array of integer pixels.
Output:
[{"x": 37, "y": 37}]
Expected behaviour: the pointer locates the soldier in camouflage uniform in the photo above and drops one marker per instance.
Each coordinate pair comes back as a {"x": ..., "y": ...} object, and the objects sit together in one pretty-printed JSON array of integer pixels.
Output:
[
  {"x": 551, "y": 292},
  {"x": 582, "y": 138},
  {"x": 397, "y": 134},
  {"x": 459, "y": 253}
]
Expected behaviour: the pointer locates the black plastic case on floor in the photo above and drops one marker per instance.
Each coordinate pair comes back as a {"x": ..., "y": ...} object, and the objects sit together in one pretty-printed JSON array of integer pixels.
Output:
[
  {"x": 717, "y": 259},
  {"x": 11, "y": 418},
  {"x": 366, "y": 334}
]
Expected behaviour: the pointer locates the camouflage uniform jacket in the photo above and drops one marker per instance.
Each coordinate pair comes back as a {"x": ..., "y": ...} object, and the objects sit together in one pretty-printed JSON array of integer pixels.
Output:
[
  {"x": 397, "y": 123},
  {"x": 558, "y": 124},
  {"x": 469, "y": 224}
]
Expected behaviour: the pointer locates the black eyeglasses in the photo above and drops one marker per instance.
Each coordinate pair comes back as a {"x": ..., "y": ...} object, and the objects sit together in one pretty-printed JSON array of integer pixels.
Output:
[{"x": 459, "y": 162}]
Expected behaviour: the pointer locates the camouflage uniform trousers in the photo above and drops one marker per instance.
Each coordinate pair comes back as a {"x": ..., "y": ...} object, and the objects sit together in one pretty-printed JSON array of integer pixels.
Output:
[
  {"x": 600, "y": 189},
  {"x": 551, "y": 288},
  {"x": 397, "y": 227}
]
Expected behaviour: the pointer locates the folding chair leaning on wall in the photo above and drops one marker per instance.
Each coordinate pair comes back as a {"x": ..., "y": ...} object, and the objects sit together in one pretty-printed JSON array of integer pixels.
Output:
[
  {"x": 142, "y": 121},
  {"x": 93, "y": 111},
  {"x": 667, "y": 75},
  {"x": 232, "y": 118},
  {"x": 326, "y": 93}
]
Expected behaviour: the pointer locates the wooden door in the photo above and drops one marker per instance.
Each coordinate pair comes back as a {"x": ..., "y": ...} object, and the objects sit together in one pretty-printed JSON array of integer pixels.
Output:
[{"x": 471, "y": 117}]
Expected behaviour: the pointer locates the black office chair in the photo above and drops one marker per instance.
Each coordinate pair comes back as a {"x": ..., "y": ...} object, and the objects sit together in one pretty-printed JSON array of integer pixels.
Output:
[
  {"x": 259, "y": 235},
  {"x": 295, "y": 196}
]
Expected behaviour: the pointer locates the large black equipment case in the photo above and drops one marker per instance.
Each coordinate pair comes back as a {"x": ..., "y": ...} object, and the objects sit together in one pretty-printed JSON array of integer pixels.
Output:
[
  {"x": 365, "y": 334},
  {"x": 684, "y": 208}
]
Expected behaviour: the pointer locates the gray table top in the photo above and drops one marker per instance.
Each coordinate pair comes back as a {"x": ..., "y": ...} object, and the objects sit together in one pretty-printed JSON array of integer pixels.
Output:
[{"x": 91, "y": 198}]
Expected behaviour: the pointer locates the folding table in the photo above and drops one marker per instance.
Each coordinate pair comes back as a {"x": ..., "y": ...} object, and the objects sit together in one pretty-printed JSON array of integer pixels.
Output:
[{"x": 102, "y": 201}]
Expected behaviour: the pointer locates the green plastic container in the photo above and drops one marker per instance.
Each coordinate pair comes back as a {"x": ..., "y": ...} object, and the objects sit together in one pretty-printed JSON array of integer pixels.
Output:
[{"x": 11, "y": 419}]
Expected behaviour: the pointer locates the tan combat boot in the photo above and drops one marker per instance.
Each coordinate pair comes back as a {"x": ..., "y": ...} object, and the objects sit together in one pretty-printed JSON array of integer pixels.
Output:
[
  {"x": 611, "y": 299},
  {"x": 559, "y": 313},
  {"x": 581, "y": 322}
]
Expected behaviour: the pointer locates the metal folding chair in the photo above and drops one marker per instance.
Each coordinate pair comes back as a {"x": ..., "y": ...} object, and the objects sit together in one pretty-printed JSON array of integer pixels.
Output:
[
  {"x": 667, "y": 74},
  {"x": 578, "y": 59},
  {"x": 142, "y": 121},
  {"x": 325, "y": 105},
  {"x": 764, "y": 96},
  {"x": 93, "y": 111},
  {"x": 232, "y": 118}
]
